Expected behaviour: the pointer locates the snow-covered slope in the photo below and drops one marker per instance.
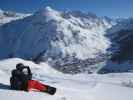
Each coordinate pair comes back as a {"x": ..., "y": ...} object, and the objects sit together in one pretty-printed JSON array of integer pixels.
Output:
[
  {"x": 121, "y": 37},
  {"x": 122, "y": 24},
  {"x": 51, "y": 34},
  {"x": 8, "y": 16},
  {"x": 56, "y": 34},
  {"x": 69, "y": 87}
]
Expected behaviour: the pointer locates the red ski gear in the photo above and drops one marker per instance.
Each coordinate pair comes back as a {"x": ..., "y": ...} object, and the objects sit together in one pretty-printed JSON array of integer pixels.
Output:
[{"x": 33, "y": 84}]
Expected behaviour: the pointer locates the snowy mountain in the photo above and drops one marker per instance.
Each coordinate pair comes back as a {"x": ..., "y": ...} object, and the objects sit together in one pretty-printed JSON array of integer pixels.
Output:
[
  {"x": 8, "y": 16},
  {"x": 70, "y": 41},
  {"x": 121, "y": 37},
  {"x": 59, "y": 36}
]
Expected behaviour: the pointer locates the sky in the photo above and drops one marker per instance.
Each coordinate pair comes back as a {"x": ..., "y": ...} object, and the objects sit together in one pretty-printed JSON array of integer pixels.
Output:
[{"x": 110, "y": 8}]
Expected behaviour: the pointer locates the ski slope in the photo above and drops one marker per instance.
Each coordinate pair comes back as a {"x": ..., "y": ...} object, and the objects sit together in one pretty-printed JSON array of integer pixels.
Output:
[{"x": 69, "y": 87}]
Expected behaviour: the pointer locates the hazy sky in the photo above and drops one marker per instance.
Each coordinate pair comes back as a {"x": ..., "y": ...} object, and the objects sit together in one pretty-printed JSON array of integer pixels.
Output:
[{"x": 110, "y": 8}]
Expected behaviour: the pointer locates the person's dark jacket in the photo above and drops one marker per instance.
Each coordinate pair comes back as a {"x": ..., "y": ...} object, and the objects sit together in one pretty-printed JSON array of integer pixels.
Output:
[{"x": 19, "y": 79}]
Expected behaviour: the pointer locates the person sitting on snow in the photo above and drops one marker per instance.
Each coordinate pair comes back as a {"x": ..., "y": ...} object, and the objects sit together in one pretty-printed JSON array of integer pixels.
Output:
[{"x": 21, "y": 79}]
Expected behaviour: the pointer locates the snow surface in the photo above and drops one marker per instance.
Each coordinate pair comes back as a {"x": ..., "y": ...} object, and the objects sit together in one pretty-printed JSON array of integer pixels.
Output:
[{"x": 69, "y": 87}]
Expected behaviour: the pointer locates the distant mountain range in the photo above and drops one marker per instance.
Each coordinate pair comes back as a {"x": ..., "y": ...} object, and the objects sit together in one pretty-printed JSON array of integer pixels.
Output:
[{"x": 8, "y": 16}]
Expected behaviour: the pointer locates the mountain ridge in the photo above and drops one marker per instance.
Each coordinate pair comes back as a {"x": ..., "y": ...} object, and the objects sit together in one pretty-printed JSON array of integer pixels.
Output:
[{"x": 71, "y": 41}]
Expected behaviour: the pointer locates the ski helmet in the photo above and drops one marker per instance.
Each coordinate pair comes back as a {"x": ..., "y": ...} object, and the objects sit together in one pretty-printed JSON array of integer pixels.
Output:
[{"x": 19, "y": 66}]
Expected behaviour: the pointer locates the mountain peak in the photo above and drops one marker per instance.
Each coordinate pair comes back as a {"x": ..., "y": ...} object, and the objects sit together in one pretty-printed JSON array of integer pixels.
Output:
[
  {"x": 47, "y": 11},
  {"x": 48, "y": 8},
  {"x": 1, "y": 11}
]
